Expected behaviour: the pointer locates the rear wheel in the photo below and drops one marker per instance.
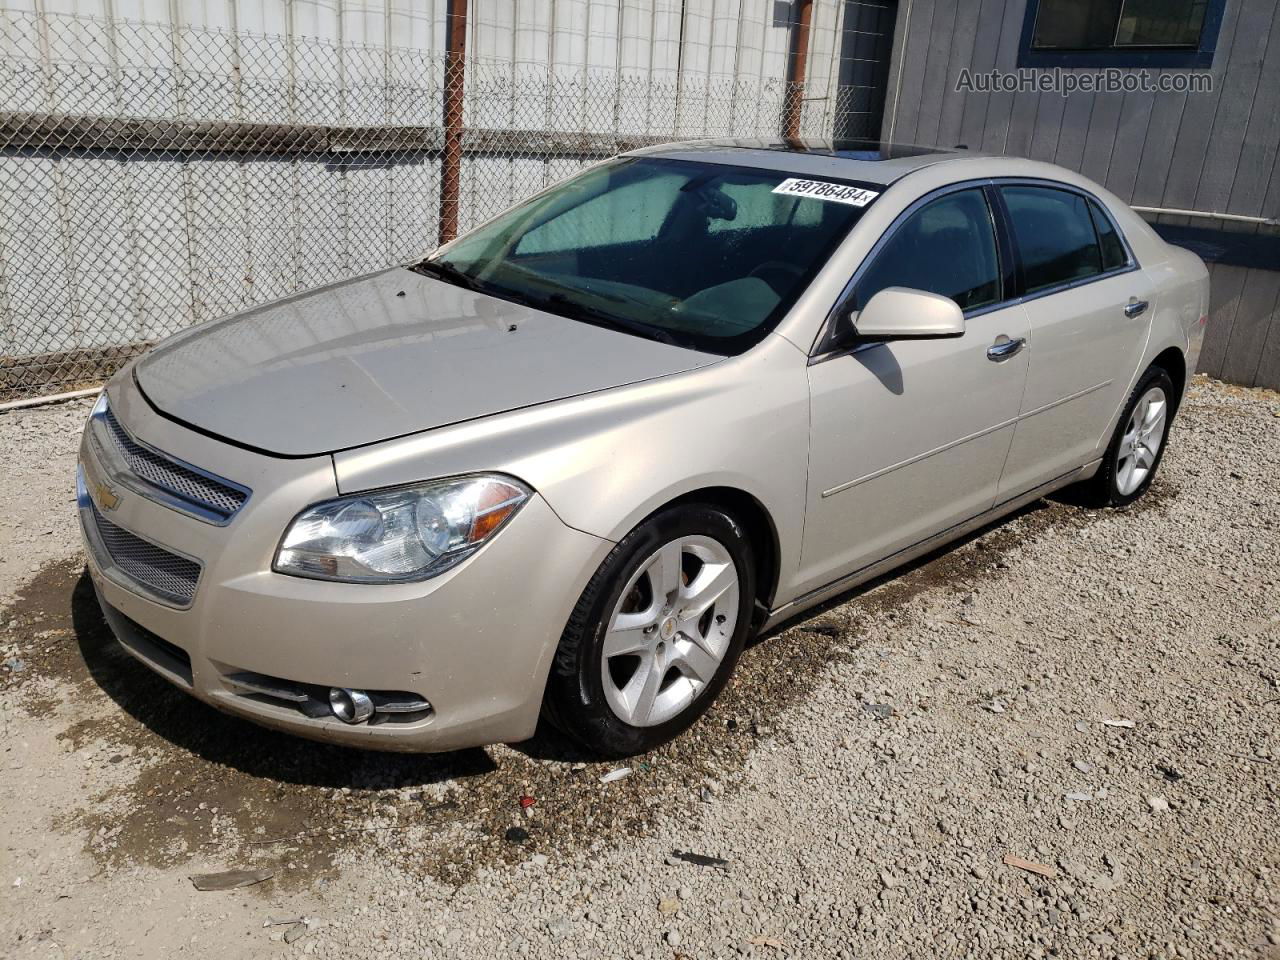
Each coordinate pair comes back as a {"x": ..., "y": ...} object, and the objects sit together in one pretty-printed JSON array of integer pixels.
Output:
[
  {"x": 1138, "y": 444},
  {"x": 656, "y": 634}
]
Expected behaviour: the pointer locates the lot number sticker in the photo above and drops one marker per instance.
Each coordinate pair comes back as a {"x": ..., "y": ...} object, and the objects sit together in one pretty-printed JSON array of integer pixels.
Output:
[{"x": 823, "y": 190}]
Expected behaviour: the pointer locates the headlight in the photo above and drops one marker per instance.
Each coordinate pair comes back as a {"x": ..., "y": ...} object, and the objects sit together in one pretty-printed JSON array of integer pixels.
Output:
[
  {"x": 99, "y": 406},
  {"x": 400, "y": 534}
]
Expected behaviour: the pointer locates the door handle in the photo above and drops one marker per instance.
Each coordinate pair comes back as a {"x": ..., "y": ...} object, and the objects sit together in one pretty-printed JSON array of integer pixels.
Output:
[
  {"x": 1004, "y": 348},
  {"x": 1135, "y": 308}
]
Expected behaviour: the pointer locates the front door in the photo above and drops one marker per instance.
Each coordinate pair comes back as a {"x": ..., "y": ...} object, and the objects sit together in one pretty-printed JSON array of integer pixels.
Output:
[{"x": 910, "y": 437}]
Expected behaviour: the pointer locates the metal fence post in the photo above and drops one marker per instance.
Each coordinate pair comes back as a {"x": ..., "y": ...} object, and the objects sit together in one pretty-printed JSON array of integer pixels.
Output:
[
  {"x": 455, "y": 70},
  {"x": 799, "y": 59}
]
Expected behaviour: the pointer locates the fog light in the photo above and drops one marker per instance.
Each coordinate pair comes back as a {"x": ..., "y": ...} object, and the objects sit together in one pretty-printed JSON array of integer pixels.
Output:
[{"x": 350, "y": 706}]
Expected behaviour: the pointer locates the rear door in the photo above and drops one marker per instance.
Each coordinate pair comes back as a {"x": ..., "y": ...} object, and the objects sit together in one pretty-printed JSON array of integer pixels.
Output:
[
  {"x": 909, "y": 437},
  {"x": 1089, "y": 309}
]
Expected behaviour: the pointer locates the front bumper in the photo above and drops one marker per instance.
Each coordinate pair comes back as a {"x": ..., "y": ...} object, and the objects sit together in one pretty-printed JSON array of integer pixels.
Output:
[{"x": 476, "y": 641}]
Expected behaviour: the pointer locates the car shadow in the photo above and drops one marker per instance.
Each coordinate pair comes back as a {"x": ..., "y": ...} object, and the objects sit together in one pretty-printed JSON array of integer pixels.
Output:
[
  {"x": 936, "y": 567},
  {"x": 550, "y": 744},
  {"x": 226, "y": 740},
  {"x": 879, "y": 360}
]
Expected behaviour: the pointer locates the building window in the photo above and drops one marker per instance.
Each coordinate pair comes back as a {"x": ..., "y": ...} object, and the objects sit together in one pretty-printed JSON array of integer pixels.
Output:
[{"x": 1120, "y": 33}]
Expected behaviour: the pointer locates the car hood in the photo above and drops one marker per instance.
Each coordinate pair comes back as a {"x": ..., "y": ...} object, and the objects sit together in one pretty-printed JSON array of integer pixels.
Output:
[{"x": 383, "y": 356}]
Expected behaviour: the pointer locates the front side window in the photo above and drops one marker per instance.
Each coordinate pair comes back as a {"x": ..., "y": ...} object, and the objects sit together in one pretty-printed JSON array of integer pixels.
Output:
[
  {"x": 1129, "y": 32},
  {"x": 699, "y": 254},
  {"x": 947, "y": 247},
  {"x": 1055, "y": 236}
]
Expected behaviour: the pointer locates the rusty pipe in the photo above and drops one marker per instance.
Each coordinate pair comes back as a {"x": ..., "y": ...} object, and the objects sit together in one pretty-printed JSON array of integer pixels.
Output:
[
  {"x": 799, "y": 60},
  {"x": 455, "y": 73}
]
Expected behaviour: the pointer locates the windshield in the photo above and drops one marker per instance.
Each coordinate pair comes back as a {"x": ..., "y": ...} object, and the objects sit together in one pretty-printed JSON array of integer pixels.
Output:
[{"x": 703, "y": 255}]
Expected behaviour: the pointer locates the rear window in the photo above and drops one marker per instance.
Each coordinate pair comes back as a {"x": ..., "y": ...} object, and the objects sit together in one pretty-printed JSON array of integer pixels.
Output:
[{"x": 1055, "y": 235}]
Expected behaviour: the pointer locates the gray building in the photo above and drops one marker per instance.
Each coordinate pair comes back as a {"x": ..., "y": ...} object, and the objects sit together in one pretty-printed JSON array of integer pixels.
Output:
[{"x": 1211, "y": 154}]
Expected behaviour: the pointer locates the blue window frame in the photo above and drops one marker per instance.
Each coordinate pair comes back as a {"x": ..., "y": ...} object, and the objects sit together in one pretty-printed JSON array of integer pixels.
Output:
[{"x": 1120, "y": 33}]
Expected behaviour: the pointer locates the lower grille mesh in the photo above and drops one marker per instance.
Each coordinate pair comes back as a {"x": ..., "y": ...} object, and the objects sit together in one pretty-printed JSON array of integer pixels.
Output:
[{"x": 155, "y": 568}]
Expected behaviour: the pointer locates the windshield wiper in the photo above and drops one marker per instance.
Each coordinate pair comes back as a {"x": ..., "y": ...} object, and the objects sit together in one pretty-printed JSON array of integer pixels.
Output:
[
  {"x": 554, "y": 302},
  {"x": 563, "y": 304},
  {"x": 560, "y": 301},
  {"x": 448, "y": 273}
]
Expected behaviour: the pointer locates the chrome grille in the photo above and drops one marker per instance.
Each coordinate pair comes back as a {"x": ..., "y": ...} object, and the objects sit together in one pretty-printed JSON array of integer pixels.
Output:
[
  {"x": 165, "y": 574},
  {"x": 221, "y": 499}
]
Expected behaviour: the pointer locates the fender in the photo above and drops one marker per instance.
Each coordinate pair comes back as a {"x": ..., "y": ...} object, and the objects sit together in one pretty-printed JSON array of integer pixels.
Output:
[{"x": 675, "y": 435}]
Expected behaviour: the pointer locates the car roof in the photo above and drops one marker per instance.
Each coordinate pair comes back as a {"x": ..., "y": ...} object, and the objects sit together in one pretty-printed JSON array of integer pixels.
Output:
[{"x": 866, "y": 161}]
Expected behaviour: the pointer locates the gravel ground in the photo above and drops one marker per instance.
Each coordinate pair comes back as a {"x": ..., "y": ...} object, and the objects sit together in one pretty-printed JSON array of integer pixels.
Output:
[
  {"x": 1094, "y": 693},
  {"x": 38, "y": 489}
]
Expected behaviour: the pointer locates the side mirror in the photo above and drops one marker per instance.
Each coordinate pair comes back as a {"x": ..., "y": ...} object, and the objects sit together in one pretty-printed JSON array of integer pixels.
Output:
[{"x": 900, "y": 313}]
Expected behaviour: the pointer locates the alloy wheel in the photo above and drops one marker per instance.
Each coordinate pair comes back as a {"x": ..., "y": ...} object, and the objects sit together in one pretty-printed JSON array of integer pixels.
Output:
[
  {"x": 1136, "y": 455},
  {"x": 670, "y": 630}
]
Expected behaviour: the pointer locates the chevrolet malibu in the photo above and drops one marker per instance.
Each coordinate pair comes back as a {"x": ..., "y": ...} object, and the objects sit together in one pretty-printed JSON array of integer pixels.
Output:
[{"x": 566, "y": 465}]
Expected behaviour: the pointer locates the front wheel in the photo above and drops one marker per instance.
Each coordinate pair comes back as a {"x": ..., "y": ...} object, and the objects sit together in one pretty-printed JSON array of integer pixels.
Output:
[
  {"x": 656, "y": 633},
  {"x": 1137, "y": 446}
]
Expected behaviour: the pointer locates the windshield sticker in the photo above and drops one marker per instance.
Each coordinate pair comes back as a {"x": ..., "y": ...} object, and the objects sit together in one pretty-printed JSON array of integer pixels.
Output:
[{"x": 823, "y": 190}]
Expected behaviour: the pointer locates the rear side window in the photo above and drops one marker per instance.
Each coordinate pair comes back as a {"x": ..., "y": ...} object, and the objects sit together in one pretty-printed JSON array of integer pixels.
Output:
[
  {"x": 946, "y": 247},
  {"x": 1113, "y": 255},
  {"x": 1055, "y": 235}
]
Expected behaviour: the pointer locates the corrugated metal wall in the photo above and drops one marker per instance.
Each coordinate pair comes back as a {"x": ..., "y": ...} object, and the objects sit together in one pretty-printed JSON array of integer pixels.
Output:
[
  {"x": 1213, "y": 152},
  {"x": 165, "y": 162}
]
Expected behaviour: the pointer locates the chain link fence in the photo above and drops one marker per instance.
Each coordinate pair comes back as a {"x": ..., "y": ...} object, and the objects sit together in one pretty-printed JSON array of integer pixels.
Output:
[{"x": 154, "y": 176}]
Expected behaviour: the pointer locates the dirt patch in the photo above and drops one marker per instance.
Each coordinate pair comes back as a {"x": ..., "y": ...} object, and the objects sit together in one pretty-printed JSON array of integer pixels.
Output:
[
  {"x": 38, "y": 636},
  {"x": 209, "y": 787}
]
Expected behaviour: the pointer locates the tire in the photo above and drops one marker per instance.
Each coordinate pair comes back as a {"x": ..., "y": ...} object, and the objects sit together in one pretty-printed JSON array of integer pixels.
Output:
[
  {"x": 630, "y": 701},
  {"x": 1125, "y": 475}
]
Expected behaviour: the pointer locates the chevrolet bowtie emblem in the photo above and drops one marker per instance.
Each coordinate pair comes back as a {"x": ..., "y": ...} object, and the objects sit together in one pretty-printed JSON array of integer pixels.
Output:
[{"x": 105, "y": 496}]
